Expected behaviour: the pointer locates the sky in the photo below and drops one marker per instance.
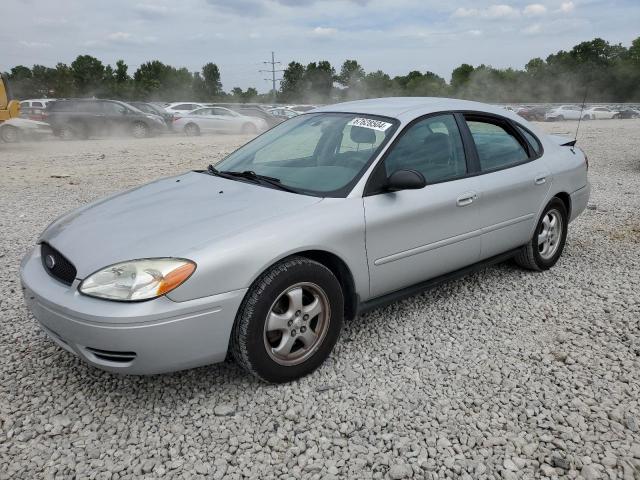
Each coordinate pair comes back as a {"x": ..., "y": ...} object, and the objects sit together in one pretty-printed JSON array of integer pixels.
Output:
[{"x": 395, "y": 36}]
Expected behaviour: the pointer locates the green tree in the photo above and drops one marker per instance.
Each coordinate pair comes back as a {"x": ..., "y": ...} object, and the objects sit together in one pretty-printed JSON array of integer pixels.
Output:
[
  {"x": 318, "y": 79},
  {"x": 88, "y": 74},
  {"x": 291, "y": 86},
  {"x": 461, "y": 76},
  {"x": 211, "y": 78}
]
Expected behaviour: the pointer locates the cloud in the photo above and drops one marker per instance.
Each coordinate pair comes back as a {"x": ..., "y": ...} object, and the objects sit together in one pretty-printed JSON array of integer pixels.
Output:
[
  {"x": 324, "y": 31},
  {"x": 27, "y": 44},
  {"x": 493, "y": 11},
  {"x": 533, "y": 29},
  {"x": 501, "y": 11},
  {"x": 149, "y": 10},
  {"x": 462, "y": 12},
  {"x": 119, "y": 36},
  {"x": 535, "y": 9},
  {"x": 127, "y": 38},
  {"x": 475, "y": 33},
  {"x": 567, "y": 7}
]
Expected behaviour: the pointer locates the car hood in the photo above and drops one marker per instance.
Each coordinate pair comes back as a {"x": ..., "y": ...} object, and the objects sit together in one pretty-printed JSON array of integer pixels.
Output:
[{"x": 172, "y": 217}]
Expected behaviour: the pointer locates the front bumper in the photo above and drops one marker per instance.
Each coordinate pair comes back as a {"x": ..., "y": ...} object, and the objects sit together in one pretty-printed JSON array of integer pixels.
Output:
[{"x": 155, "y": 336}]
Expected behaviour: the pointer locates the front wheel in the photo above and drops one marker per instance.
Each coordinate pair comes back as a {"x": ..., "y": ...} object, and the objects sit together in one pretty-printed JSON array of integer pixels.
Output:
[
  {"x": 545, "y": 248},
  {"x": 10, "y": 134},
  {"x": 289, "y": 321},
  {"x": 139, "y": 130}
]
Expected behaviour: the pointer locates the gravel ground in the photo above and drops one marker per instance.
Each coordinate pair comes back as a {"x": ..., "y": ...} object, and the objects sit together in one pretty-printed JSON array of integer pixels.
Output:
[{"x": 504, "y": 374}]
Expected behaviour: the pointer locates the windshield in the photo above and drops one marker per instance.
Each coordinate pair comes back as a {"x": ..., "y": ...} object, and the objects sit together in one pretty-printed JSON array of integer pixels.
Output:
[{"x": 320, "y": 154}]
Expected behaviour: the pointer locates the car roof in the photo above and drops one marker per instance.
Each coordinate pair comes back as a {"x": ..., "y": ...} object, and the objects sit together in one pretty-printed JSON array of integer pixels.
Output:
[{"x": 408, "y": 108}]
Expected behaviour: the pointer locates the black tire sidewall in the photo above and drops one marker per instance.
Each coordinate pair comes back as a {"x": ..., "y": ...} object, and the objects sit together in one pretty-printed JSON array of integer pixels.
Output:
[
  {"x": 256, "y": 306},
  {"x": 543, "y": 264}
]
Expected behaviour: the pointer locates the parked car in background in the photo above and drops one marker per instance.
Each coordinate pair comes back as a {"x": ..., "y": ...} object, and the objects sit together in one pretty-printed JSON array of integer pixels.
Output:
[
  {"x": 33, "y": 109},
  {"x": 265, "y": 255},
  {"x": 598, "y": 113},
  {"x": 563, "y": 112},
  {"x": 84, "y": 118},
  {"x": 183, "y": 107},
  {"x": 302, "y": 108},
  {"x": 153, "y": 109},
  {"x": 627, "y": 113},
  {"x": 18, "y": 129},
  {"x": 283, "y": 113},
  {"x": 257, "y": 112},
  {"x": 532, "y": 113},
  {"x": 218, "y": 119}
]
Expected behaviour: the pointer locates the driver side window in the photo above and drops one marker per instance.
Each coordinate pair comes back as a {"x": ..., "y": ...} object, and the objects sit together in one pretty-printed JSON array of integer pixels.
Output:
[{"x": 433, "y": 147}]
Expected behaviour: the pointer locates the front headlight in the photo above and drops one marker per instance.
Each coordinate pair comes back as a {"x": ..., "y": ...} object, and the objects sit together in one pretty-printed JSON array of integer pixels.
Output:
[{"x": 138, "y": 279}]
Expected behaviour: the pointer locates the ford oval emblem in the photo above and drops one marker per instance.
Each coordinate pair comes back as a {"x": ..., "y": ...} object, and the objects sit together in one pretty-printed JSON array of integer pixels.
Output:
[{"x": 50, "y": 262}]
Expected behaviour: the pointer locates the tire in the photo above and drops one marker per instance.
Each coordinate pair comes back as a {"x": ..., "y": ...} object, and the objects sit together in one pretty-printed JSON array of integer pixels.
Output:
[
  {"x": 139, "y": 130},
  {"x": 192, "y": 130},
  {"x": 298, "y": 343},
  {"x": 560, "y": 118},
  {"x": 586, "y": 117},
  {"x": 249, "y": 129},
  {"x": 67, "y": 132},
  {"x": 534, "y": 255},
  {"x": 10, "y": 134}
]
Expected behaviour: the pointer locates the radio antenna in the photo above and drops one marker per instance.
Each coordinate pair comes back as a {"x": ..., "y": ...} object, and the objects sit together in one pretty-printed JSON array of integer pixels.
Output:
[{"x": 584, "y": 99}]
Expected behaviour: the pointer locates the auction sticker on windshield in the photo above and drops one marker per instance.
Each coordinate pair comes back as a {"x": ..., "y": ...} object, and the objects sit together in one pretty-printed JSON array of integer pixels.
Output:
[{"x": 370, "y": 123}]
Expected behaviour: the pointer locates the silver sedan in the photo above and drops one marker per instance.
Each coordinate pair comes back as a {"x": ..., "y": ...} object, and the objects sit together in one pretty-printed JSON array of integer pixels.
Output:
[
  {"x": 217, "y": 119},
  {"x": 326, "y": 215}
]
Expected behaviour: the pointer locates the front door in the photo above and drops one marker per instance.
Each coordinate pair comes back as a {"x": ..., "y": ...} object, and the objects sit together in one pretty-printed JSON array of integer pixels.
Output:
[{"x": 415, "y": 235}]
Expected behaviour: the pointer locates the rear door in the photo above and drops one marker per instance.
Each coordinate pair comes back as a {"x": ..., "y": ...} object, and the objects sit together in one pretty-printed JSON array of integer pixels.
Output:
[
  {"x": 415, "y": 235},
  {"x": 512, "y": 184},
  {"x": 227, "y": 121}
]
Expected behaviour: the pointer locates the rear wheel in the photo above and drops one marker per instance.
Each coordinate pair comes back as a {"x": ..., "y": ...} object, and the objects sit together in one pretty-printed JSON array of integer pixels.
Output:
[
  {"x": 139, "y": 130},
  {"x": 191, "y": 130},
  {"x": 289, "y": 321},
  {"x": 249, "y": 129},
  {"x": 66, "y": 132},
  {"x": 10, "y": 134},
  {"x": 545, "y": 248}
]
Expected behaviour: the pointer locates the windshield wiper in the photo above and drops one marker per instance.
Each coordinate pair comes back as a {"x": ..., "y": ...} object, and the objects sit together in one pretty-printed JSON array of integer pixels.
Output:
[{"x": 258, "y": 178}]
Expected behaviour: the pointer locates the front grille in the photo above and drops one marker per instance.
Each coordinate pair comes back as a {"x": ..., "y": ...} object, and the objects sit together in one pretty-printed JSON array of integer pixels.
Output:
[
  {"x": 57, "y": 265},
  {"x": 112, "y": 356}
]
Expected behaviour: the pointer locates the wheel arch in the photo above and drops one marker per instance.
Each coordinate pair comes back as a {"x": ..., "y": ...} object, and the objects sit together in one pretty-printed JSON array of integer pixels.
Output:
[
  {"x": 338, "y": 267},
  {"x": 566, "y": 199}
]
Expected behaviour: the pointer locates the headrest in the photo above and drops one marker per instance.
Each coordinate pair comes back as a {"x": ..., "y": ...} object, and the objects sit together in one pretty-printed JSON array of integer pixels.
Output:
[{"x": 362, "y": 135}]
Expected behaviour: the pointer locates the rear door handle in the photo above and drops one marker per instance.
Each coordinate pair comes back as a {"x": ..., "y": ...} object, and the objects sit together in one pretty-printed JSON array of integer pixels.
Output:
[
  {"x": 466, "y": 199},
  {"x": 540, "y": 180}
]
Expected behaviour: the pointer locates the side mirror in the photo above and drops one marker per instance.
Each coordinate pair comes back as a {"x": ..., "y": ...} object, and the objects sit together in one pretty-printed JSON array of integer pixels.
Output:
[{"x": 405, "y": 180}]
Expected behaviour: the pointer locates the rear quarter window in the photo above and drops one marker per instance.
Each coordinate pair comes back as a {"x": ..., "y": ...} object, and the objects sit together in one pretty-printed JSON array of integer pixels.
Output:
[
  {"x": 531, "y": 139},
  {"x": 497, "y": 147}
]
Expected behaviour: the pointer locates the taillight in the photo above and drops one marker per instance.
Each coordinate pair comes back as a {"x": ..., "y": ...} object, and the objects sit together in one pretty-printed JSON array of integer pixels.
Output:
[{"x": 176, "y": 118}]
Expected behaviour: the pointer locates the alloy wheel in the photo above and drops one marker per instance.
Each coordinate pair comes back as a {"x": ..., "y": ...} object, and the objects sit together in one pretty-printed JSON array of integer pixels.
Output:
[
  {"x": 297, "y": 324},
  {"x": 550, "y": 234}
]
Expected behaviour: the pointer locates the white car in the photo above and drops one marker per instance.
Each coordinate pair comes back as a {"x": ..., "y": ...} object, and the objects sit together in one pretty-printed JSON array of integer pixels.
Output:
[
  {"x": 599, "y": 113},
  {"x": 563, "y": 112},
  {"x": 218, "y": 119},
  {"x": 183, "y": 107},
  {"x": 17, "y": 129},
  {"x": 283, "y": 112},
  {"x": 33, "y": 109}
]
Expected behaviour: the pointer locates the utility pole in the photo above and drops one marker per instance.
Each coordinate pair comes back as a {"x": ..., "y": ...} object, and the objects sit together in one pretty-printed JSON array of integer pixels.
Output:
[{"x": 273, "y": 71}]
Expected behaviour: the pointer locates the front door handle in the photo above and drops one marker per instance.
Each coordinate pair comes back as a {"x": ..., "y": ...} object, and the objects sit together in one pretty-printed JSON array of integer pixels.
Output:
[
  {"x": 540, "y": 180},
  {"x": 466, "y": 199}
]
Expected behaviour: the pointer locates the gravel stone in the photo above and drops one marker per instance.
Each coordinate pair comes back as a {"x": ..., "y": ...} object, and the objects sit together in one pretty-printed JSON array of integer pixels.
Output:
[
  {"x": 504, "y": 368},
  {"x": 400, "y": 471}
]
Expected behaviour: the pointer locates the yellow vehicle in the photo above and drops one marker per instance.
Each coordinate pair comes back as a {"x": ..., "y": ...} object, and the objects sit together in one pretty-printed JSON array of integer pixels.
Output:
[{"x": 8, "y": 108}]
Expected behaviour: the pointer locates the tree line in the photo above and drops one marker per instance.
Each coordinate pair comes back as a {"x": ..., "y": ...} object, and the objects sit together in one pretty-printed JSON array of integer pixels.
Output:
[{"x": 604, "y": 71}]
